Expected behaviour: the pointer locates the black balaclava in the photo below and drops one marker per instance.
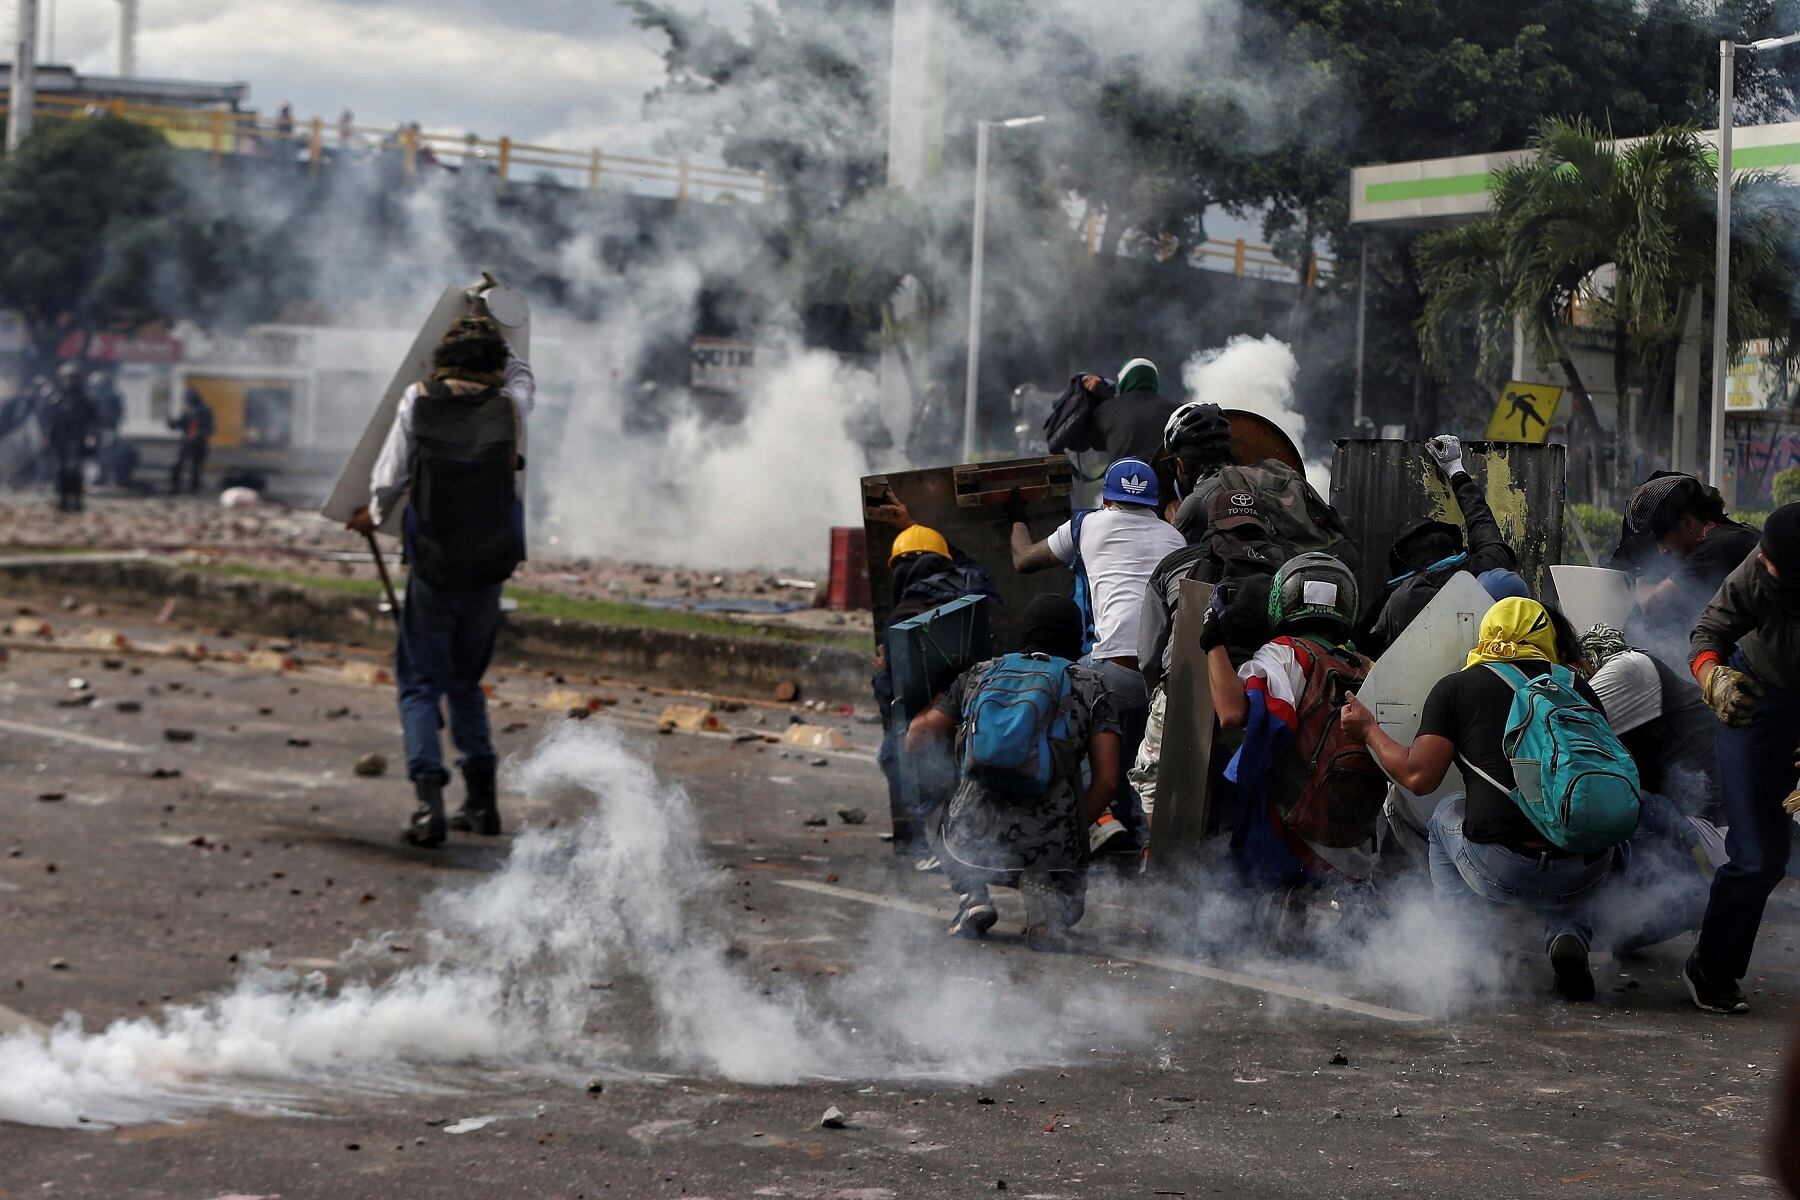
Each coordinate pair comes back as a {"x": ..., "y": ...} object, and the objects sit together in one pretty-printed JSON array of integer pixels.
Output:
[
  {"x": 1052, "y": 625},
  {"x": 916, "y": 567},
  {"x": 1781, "y": 546}
]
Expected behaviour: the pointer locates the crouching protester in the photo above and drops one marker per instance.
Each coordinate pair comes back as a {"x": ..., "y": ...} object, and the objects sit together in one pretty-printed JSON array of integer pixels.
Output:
[
  {"x": 927, "y": 572},
  {"x": 1307, "y": 796},
  {"x": 453, "y": 454},
  {"x": 1025, "y": 723},
  {"x": 1551, "y": 792},
  {"x": 1746, "y": 655}
]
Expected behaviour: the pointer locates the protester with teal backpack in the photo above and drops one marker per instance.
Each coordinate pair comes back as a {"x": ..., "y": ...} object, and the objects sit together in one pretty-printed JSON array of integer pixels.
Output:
[
  {"x": 1025, "y": 725},
  {"x": 1551, "y": 794}
]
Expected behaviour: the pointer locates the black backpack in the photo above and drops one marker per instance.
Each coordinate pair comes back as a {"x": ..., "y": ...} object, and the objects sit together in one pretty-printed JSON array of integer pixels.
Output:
[
  {"x": 464, "y": 523},
  {"x": 1070, "y": 425}
]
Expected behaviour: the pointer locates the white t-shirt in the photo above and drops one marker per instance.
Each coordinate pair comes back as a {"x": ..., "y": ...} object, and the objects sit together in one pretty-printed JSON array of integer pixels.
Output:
[
  {"x": 1630, "y": 690},
  {"x": 1120, "y": 547}
]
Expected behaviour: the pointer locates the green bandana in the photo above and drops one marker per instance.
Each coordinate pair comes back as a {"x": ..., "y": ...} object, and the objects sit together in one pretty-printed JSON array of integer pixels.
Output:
[{"x": 1138, "y": 375}]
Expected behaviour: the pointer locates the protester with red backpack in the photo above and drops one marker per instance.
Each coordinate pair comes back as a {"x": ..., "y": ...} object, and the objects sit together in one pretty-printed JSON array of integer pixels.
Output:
[{"x": 1308, "y": 794}]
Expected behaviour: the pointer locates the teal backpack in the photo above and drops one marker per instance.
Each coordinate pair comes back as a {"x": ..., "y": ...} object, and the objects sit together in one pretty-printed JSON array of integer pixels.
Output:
[
  {"x": 1576, "y": 782},
  {"x": 1010, "y": 721}
]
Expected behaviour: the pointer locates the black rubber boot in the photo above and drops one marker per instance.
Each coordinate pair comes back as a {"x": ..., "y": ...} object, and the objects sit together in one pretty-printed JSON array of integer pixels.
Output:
[
  {"x": 480, "y": 811},
  {"x": 427, "y": 825}
]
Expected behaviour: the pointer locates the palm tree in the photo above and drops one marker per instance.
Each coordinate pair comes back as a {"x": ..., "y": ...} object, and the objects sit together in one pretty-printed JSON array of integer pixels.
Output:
[{"x": 1579, "y": 203}]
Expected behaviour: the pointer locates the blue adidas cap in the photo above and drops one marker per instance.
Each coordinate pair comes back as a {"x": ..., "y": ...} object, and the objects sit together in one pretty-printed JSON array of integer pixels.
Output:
[{"x": 1130, "y": 481}]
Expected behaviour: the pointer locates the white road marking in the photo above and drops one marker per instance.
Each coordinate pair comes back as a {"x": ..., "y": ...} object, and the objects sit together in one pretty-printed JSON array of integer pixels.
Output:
[
  {"x": 241, "y": 774},
  {"x": 1272, "y": 987},
  {"x": 71, "y": 737}
]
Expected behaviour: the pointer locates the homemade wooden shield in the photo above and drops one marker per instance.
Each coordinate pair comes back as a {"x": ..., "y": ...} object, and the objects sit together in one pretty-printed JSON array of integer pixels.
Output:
[
  {"x": 964, "y": 503},
  {"x": 485, "y": 297},
  {"x": 1183, "y": 777},
  {"x": 926, "y": 654}
]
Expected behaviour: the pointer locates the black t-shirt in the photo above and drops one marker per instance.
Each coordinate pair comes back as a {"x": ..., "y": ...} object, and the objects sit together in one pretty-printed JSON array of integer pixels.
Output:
[
  {"x": 1470, "y": 708},
  {"x": 1130, "y": 425}
]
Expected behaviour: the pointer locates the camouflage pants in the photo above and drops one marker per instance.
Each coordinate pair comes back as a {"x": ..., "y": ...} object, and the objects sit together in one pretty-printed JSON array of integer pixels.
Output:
[{"x": 1142, "y": 773}]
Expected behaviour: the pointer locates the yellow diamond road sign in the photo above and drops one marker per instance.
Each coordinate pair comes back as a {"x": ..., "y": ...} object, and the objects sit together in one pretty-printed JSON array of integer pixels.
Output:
[{"x": 1524, "y": 412}]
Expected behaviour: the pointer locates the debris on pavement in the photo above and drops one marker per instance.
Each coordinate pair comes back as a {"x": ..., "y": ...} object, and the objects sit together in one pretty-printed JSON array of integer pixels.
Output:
[
  {"x": 852, "y": 816},
  {"x": 688, "y": 718},
  {"x": 470, "y": 1124},
  {"x": 178, "y": 735},
  {"x": 371, "y": 766},
  {"x": 833, "y": 1119},
  {"x": 815, "y": 737}
]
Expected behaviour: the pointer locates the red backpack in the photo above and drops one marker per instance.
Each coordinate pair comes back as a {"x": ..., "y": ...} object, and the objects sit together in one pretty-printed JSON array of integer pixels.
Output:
[{"x": 1328, "y": 790}]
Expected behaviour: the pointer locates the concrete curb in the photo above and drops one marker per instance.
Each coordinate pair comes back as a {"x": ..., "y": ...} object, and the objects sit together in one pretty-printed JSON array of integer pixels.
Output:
[{"x": 743, "y": 666}]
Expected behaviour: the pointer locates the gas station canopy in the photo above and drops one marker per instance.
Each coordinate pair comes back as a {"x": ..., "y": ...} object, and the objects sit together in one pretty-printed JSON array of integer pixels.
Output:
[{"x": 1445, "y": 191}]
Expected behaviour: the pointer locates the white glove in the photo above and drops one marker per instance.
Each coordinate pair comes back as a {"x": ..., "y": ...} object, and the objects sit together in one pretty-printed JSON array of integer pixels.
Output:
[{"x": 1446, "y": 452}]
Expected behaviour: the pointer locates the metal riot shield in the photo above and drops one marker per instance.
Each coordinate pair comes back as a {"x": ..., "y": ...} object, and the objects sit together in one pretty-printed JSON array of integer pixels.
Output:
[
  {"x": 964, "y": 503},
  {"x": 1380, "y": 487},
  {"x": 1184, "y": 775},
  {"x": 1590, "y": 596},
  {"x": 487, "y": 297},
  {"x": 1433, "y": 646}
]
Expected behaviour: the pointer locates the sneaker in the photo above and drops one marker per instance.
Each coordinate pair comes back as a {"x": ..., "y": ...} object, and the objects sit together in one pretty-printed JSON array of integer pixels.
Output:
[
  {"x": 929, "y": 862},
  {"x": 1569, "y": 959},
  {"x": 974, "y": 917},
  {"x": 1103, "y": 831},
  {"x": 1712, "y": 995}
]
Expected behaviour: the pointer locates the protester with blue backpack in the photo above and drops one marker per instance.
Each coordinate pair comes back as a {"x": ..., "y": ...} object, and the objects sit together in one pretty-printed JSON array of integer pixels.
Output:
[
  {"x": 1551, "y": 793},
  {"x": 1025, "y": 724},
  {"x": 1113, "y": 550}
]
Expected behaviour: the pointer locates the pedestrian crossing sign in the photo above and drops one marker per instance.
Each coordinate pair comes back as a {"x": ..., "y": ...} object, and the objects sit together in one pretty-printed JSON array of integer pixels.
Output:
[{"x": 1524, "y": 412}]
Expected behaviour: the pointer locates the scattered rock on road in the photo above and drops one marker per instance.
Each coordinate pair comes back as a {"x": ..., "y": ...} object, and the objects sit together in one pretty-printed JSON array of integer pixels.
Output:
[
  {"x": 833, "y": 1119},
  {"x": 371, "y": 766},
  {"x": 852, "y": 816},
  {"x": 178, "y": 735}
]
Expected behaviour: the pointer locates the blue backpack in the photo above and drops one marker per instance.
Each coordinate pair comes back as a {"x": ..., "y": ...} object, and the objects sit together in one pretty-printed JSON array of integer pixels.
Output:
[
  {"x": 1576, "y": 782},
  {"x": 1010, "y": 721}
]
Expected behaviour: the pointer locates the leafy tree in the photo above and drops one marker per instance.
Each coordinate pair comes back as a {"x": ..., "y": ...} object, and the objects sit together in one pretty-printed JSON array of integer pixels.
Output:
[
  {"x": 1577, "y": 206},
  {"x": 96, "y": 230}
]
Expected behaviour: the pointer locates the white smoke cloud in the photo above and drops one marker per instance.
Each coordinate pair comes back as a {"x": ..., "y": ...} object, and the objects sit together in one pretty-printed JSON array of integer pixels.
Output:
[
  {"x": 1257, "y": 375},
  {"x": 625, "y": 896}
]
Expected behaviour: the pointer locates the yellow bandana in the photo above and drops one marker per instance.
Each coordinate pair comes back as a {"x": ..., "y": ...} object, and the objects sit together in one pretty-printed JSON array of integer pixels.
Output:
[{"x": 1514, "y": 628}]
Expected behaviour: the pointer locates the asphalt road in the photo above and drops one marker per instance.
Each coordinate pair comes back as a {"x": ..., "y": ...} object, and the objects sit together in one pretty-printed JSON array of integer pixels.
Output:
[{"x": 1124, "y": 1067}]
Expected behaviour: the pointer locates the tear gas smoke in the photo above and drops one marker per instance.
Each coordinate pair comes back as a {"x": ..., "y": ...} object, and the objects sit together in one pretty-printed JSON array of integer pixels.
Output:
[
  {"x": 625, "y": 895},
  {"x": 1256, "y": 375}
]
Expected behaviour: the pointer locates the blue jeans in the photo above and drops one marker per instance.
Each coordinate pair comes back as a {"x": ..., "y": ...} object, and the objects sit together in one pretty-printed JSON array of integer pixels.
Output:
[
  {"x": 1131, "y": 700},
  {"x": 1559, "y": 888},
  {"x": 446, "y": 640},
  {"x": 1659, "y": 888},
  {"x": 1756, "y": 771}
]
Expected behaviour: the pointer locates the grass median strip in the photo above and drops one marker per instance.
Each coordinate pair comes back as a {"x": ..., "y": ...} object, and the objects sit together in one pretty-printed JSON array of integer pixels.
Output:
[{"x": 564, "y": 608}]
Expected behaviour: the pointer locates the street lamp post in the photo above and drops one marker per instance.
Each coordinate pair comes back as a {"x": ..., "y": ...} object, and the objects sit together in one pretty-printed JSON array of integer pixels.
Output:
[
  {"x": 23, "y": 99},
  {"x": 1715, "y": 468},
  {"x": 975, "y": 255}
]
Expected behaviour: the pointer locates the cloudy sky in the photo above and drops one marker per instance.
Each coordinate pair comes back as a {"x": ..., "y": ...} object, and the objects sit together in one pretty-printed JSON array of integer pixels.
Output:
[{"x": 557, "y": 72}]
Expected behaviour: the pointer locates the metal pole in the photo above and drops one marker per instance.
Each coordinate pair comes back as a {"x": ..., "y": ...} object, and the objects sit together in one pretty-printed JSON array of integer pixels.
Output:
[
  {"x": 1362, "y": 326},
  {"x": 1722, "y": 270},
  {"x": 23, "y": 96},
  {"x": 128, "y": 23},
  {"x": 981, "y": 158}
]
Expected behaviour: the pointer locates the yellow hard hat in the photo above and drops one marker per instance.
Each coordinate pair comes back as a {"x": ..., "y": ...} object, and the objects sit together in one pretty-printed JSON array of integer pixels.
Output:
[{"x": 918, "y": 539}]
